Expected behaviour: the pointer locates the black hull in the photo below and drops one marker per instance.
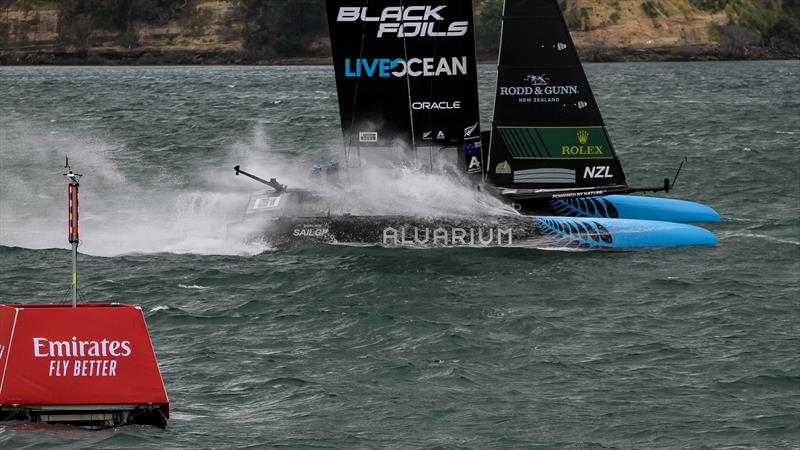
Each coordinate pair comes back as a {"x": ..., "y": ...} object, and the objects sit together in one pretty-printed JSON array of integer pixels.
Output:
[
  {"x": 398, "y": 231},
  {"x": 295, "y": 217}
]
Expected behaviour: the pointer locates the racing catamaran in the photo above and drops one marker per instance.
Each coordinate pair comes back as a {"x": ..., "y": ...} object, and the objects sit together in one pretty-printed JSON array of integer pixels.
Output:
[
  {"x": 406, "y": 77},
  {"x": 548, "y": 149}
]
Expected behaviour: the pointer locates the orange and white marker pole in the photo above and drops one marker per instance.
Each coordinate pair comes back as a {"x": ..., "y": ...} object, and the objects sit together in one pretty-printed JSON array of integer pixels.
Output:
[{"x": 74, "y": 225}]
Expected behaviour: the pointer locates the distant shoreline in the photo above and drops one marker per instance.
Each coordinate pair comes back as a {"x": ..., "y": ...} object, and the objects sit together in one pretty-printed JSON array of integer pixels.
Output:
[{"x": 114, "y": 57}]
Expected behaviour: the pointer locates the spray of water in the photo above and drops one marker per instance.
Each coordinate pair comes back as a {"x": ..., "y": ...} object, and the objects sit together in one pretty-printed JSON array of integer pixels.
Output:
[
  {"x": 123, "y": 211},
  {"x": 375, "y": 187},
  {"x": 410, "y": 192}
]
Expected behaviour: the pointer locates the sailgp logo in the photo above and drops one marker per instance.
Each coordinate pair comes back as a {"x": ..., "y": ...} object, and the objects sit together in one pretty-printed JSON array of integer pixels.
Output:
[
  {"x": 405, "y": 22},
  {"x": 313, "y": 231},
  {"x": 539, "y": 90},
  {"x": 399, "y": 67}
]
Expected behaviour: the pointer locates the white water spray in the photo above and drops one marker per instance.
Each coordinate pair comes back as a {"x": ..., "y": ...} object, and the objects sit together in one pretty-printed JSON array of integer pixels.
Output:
[
  {"x": 130, "y": 209},
  {"x": 121, "y": 214},
  {"x": 370, "y": 189}
]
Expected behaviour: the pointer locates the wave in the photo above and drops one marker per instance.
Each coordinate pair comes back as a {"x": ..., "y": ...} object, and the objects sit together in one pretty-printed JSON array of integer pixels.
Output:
[
  {"x": 193, "y": 286},
  {"x": 765, "y": 237}
]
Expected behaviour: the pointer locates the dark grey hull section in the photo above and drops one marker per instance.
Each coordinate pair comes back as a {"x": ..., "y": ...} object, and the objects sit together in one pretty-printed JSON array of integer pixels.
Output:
[
  {"x": 293, "y": 216},
  {"x": 411, "y": 232}
]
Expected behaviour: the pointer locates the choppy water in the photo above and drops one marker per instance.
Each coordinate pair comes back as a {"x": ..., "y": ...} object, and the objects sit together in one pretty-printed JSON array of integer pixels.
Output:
[{"x": 364, "y": 347}]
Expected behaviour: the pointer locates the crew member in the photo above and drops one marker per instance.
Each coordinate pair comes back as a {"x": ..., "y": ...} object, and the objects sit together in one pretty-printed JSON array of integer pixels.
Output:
[
  {"x": 332, "y": 173},
  {"x": 316, "y": 172}
]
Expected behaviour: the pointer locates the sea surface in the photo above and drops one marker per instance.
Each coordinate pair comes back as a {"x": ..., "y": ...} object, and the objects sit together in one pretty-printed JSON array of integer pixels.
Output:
[{"x": 343, "y": 347}]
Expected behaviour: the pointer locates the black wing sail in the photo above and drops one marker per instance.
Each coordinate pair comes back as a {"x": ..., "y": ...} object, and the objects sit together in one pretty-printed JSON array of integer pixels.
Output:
[
  {"x": 547, "y": 134},
  {"x": 405, "y": 74}
]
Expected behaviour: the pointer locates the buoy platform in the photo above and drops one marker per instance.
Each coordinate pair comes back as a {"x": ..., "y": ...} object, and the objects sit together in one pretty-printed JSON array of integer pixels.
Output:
[
  {"x": 87, "y": 364},
  {"x": 91, "y": 365}
]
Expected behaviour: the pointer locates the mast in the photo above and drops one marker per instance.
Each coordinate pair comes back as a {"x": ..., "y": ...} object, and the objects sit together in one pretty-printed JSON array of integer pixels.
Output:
[
  {"x": 410, "y": 99},
  {"x": 73, "y": 225}
]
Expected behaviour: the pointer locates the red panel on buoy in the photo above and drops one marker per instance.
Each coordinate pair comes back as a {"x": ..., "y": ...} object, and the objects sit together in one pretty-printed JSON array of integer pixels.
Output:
[{"x": 95, "y": 354}]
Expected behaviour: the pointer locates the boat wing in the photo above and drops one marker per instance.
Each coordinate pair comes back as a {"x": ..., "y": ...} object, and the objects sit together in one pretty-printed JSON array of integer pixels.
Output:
[
  {"x": 547, "y": 131},
  {"x": 405, "y": 75}
]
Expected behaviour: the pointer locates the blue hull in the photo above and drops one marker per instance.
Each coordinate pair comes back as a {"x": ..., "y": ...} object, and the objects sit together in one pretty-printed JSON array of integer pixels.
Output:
[
  {"x": 601, "y": 233},
  {"x": 636, "y": 207}
]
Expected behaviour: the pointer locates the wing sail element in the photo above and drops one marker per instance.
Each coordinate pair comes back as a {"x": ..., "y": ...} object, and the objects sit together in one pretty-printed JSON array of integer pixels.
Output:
[
  {"x": 547, "y": 134},
  {"x": 405, "y": 75}
]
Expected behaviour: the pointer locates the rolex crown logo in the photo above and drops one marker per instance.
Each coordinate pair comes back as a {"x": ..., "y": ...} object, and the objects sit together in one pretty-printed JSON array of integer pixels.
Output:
[{"x": 583, "y": 136}]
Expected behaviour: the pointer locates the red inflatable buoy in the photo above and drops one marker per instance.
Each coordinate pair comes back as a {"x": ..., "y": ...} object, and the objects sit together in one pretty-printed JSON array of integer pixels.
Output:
[
  {"x": 90, "y": 365},
  {"x": 86, "y": 364}
]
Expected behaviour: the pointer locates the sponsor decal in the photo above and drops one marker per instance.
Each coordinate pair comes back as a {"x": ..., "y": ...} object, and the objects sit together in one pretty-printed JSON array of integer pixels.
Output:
[
  {"x": 556, "y": 142},
  {"x": 414, "y": 236},
  {"x": 266, "y": 202},
  {"x": 597, "y": 172},
  {"x": 440, "y": 135},
  {"x": 561, "y": 46},
  {"x": 79, "y": 358},
  {"x": 313, "y": 230},
  {"x": 539, "y": 90},
  {"x": 578, "y": 194},
  {"x": 427, "y": 136},
  {"x": 504, "y": 168},
  {"x": 368, "y": 136},
  {"x": 406, "y": 22},
  {"x": 94, "y": 354},
  {"x": 399, "y": 67},
  {"x": 435, "y": 105},
  {"x": 545, "y": 175},
  {"x": 474, "y": 165},
  {"x": 472, "y": 151},
  {"x": 582, "y": 149},
  {"x": 469, "y": 130},
  {"x": 536, "y": 80}
]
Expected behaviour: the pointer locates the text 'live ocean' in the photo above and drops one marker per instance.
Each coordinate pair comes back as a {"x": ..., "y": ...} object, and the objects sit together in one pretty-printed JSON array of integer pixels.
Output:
[{"x": 398, "y": 67}]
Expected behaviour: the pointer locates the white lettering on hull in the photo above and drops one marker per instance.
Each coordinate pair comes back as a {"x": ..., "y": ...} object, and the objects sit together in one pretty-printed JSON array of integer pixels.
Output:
[{"x": 416, "y": 236}]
